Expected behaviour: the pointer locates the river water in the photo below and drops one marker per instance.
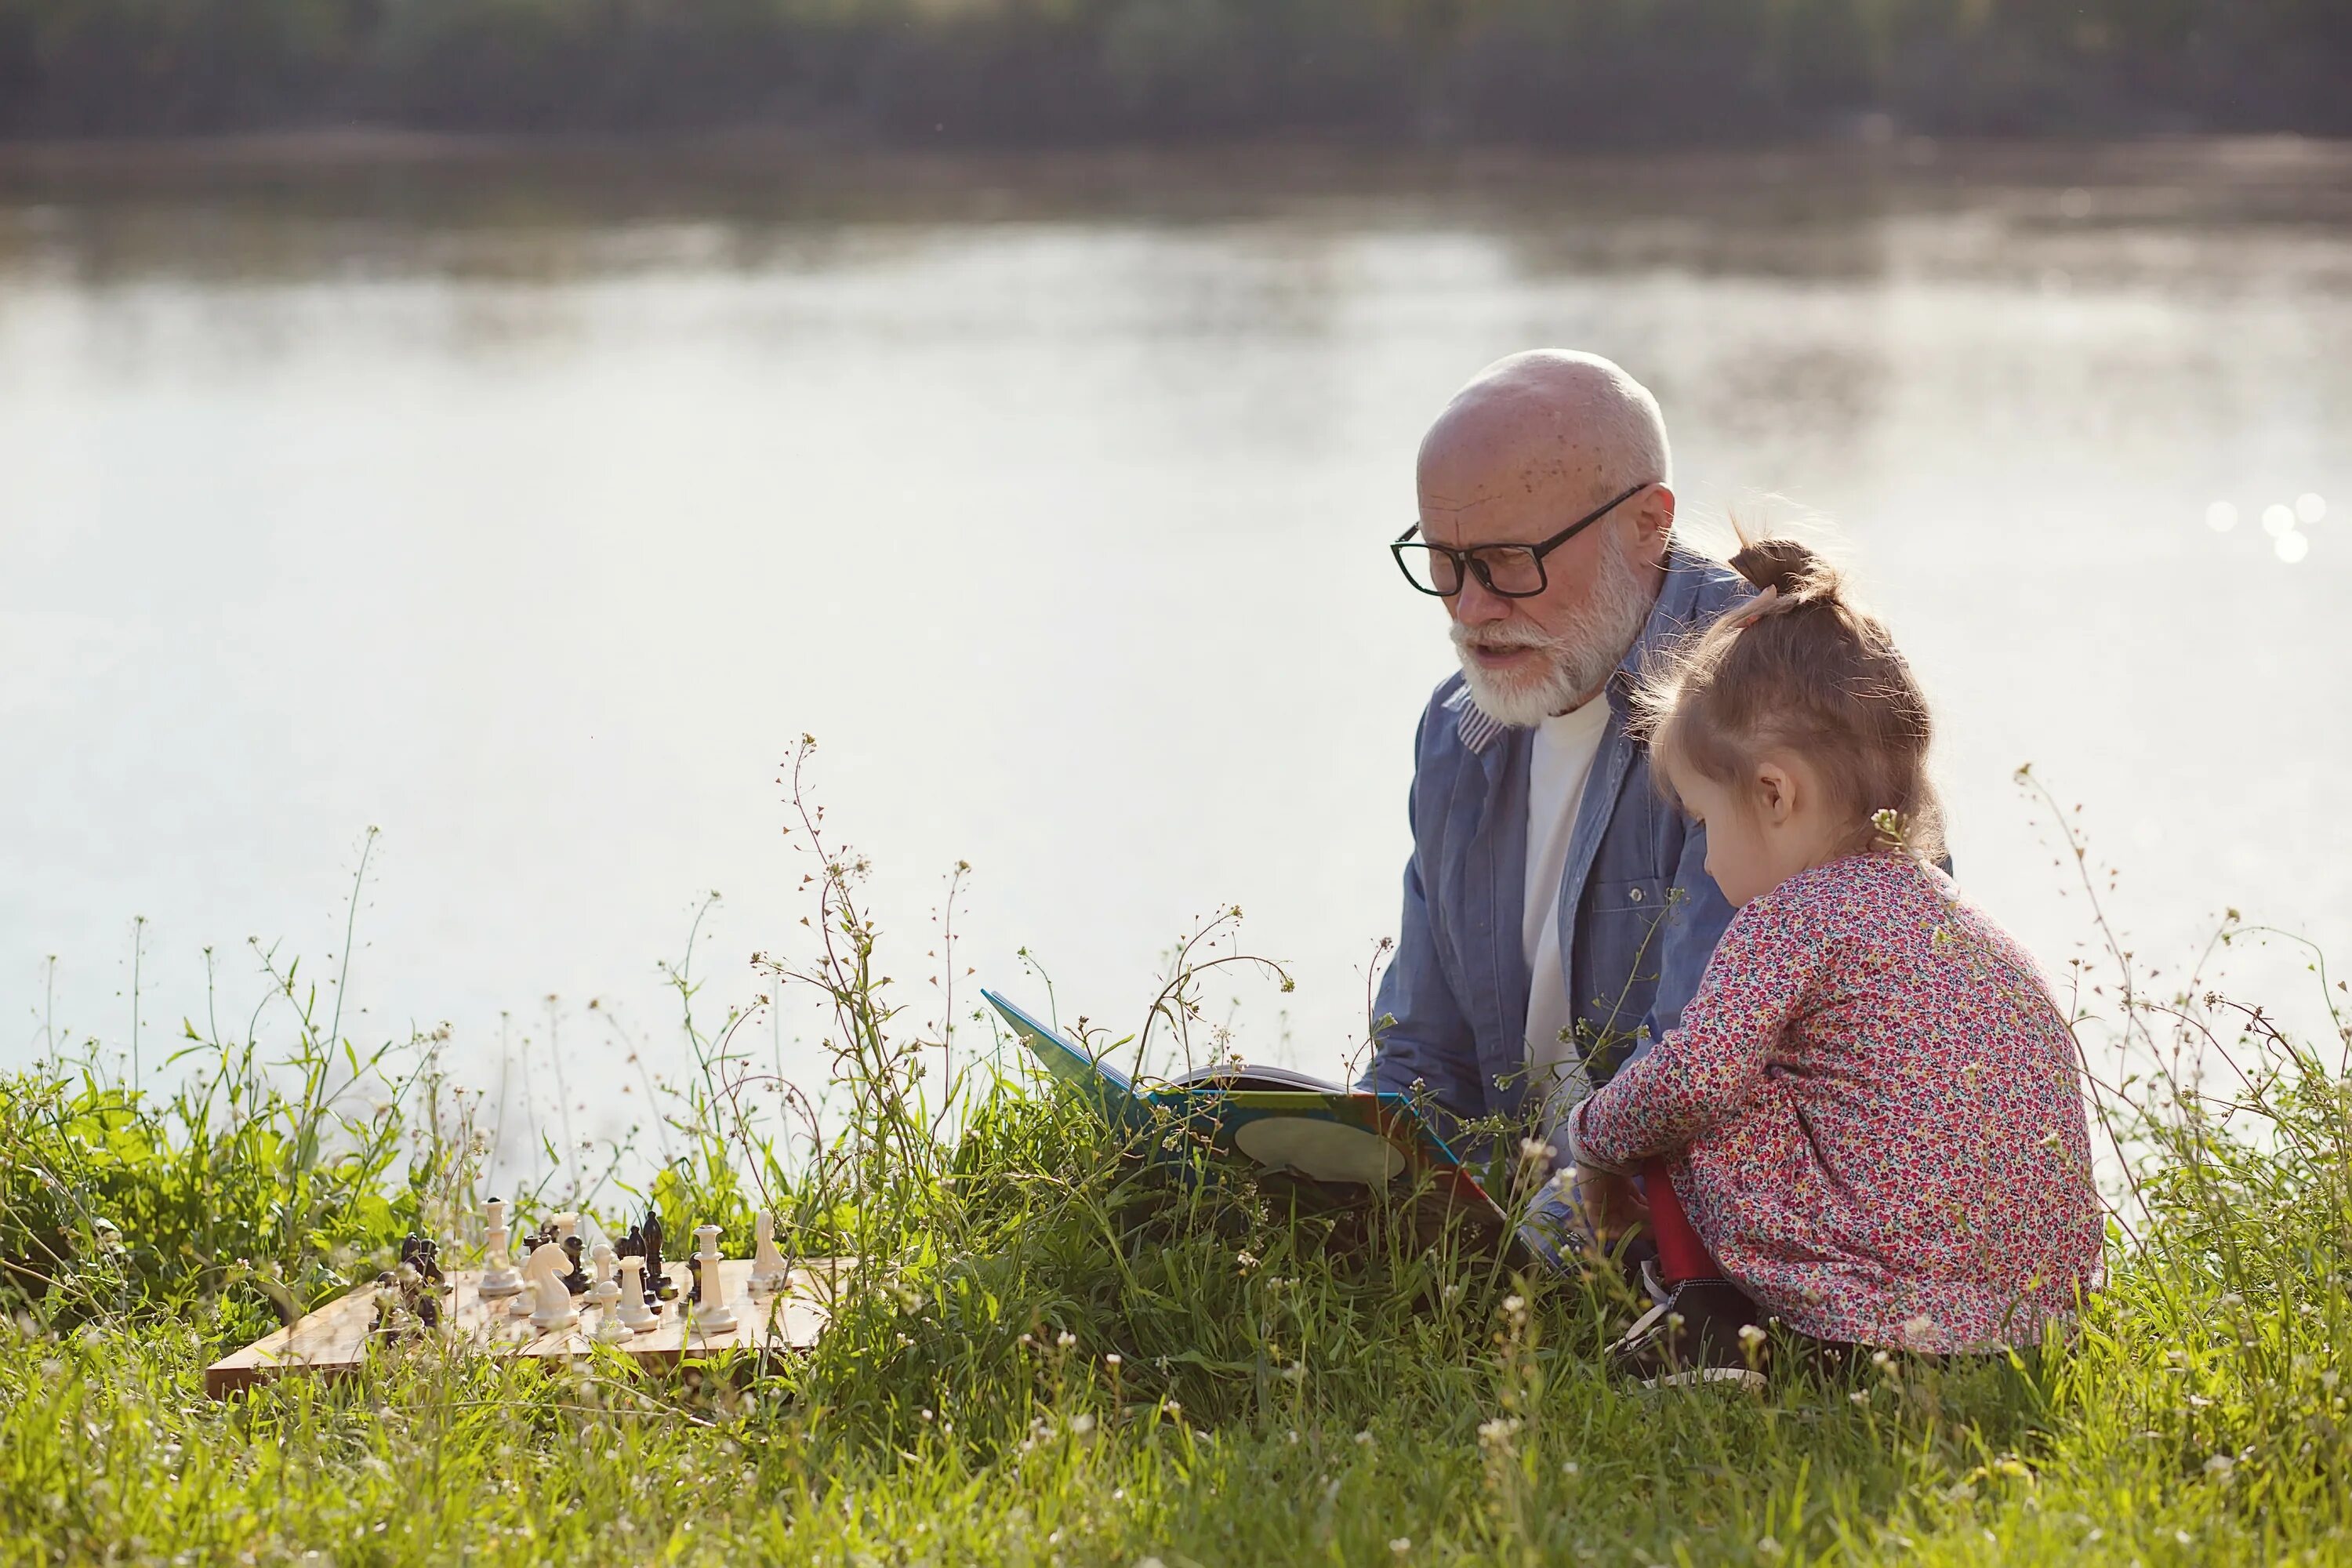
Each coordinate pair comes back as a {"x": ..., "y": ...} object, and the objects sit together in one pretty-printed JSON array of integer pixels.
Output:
[{"x": 528, "y": 508}]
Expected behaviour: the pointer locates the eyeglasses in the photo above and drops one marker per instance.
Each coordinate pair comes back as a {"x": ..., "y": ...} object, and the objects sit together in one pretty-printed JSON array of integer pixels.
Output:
[{"x": 1512, "y": 571}]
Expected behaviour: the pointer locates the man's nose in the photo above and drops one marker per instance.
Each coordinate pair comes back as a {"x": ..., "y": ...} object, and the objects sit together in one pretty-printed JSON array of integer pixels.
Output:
[{"x": 1477, "y": 605}]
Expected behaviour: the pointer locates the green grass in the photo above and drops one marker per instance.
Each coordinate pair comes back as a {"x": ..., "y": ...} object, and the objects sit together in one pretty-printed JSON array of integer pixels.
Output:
[{"x": 1050, "y": 1354}]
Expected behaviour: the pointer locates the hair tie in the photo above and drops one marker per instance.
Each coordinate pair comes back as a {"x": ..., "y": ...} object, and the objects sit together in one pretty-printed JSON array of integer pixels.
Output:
[{"x": 1748, "y": 614}]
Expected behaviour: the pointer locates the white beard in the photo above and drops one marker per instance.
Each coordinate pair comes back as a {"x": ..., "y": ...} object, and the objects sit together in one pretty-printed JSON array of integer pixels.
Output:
[{"x": 1580, "y": 659}]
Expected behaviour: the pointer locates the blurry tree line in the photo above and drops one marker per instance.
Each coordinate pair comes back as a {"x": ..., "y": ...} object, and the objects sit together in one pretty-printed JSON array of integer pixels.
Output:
[{"x": 1061, "y": 71}]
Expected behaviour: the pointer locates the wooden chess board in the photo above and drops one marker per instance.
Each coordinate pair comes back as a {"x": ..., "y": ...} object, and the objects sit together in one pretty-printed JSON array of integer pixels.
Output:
[{"x": 334, "y": 1339}]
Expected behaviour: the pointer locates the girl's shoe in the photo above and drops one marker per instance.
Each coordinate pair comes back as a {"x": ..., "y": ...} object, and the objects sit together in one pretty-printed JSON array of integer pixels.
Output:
[{"x": 1705, "y": 1332}]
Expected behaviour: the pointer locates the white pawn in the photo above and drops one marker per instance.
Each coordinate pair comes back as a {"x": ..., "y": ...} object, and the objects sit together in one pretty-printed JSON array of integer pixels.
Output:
[
  {"x": 605, "y": 1291},
  {"x": 634, "y": 1314},
  {"x": 545, "y": 1270},
  {"x": 567, "y": 1225},
  {"x": 498, "y": 1276},
  {"x": 711, "y": 1315},
  {"x": 770, "y": 1272}
]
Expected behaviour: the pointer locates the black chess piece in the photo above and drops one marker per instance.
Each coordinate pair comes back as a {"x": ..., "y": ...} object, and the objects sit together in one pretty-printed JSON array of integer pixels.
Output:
[
  {"x": 659, "y": 1287},
  {"x": 576, "y": 1281},
  {"x": 423, "y": 1254}
]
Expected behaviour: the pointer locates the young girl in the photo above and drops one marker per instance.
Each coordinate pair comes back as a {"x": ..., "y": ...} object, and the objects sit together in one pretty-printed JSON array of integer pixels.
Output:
[{"x": 1872, "y": 1113}]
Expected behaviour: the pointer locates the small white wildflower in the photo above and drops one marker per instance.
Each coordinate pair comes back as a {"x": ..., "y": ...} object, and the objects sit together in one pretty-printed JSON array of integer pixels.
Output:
[
  {"x": 1859, "y": 1396},
  {"x": 1111, "y": 1359},
  {"x": 1291, "y": 1437},
  {"x": 1401, "y": 1545},
  {"x": 1750, "y": 1335},
  {"x": 1568, "y": 1467},
  {"x": 1065, "y": 1339},
  {"x": 2219, "y": 1466},
  {"x": 1767, "y": 1547},
  {"x": 1082, "y": 1423},
  {"x": 1363, "y": 1440}
]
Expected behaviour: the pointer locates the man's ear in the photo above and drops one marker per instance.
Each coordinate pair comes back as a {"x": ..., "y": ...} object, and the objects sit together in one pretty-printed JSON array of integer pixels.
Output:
[
  {"x": 1776, "y": 786},
  {"x": 1655, "y": 518}
]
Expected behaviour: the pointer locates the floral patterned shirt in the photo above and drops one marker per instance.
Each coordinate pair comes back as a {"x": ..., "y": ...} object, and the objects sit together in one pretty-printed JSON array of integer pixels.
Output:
[{"x": 1875, "y": 1114}]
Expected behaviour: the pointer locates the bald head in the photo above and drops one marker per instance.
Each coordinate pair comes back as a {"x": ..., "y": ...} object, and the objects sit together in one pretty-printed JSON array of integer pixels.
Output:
[
  {"x": 1554, "y": 420},
  {"x": 1534, "y": 445}
]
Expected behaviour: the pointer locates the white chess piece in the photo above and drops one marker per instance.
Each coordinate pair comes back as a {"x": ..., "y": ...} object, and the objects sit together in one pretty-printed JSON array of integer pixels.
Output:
[
  {"x": 605, "y": 1291},
  {"x": 711, "y": 1315},
  {"x": 770, "y": 1272},
  {"x": 567, "y": 1225},
  {"x": 544, "y": 1271},
  {"x": 633, "y": 1312},
  {"x": 498, "y": 1276}
]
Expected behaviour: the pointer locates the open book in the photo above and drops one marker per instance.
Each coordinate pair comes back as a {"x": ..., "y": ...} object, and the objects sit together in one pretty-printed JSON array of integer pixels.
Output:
[{"x": 1330, "y": 1146}]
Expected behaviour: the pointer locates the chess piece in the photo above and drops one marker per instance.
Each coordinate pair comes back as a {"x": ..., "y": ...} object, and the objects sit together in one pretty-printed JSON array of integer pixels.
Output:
[
  {"x": 604, "y": 1292},
  {"x": 770, "y": 1273},
  {"x": 712, "y": 1315},
  {"x": 610, "y": 1330},
  {"x": 660, "y": 1285},
  {"x": 543, "y": 1270},
  {"x": 633, "y": 1313},
  {"x": 423, "y": 1254},
  {"x": 498, "y": 1276},
  {"x": 576, "y": 1280}
]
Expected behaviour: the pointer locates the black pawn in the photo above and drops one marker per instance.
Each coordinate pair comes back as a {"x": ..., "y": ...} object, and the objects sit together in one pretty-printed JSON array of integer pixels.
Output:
[{"x": 577, "y": 1282}]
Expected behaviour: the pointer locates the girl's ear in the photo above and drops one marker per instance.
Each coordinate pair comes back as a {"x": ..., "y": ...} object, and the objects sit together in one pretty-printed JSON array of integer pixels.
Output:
[{"x": 1776, "y": 791}]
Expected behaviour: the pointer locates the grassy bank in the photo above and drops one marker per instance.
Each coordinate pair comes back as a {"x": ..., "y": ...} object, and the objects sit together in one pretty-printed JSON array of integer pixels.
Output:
[{"x": 1050, "y": 1354}]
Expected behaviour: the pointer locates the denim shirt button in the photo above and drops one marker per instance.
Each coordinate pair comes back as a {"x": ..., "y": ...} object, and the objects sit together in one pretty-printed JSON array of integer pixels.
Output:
[{"x": 1634, "y": 894}]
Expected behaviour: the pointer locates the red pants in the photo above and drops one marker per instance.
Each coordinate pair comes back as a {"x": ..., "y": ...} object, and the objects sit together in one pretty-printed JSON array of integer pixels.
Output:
[{"x": 1681, "y": 1253}]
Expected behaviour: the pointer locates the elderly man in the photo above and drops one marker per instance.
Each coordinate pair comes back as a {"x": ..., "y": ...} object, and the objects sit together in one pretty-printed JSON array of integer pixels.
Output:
[{"x": 1557, "y": 909}]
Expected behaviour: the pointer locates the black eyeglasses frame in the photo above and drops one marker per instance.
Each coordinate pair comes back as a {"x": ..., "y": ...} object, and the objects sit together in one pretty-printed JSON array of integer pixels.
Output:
[{"x": 1466, "y": 562}]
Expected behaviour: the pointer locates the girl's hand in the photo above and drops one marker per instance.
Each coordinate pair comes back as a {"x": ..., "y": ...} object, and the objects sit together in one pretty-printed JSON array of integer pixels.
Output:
[{"x": 1607, "y": 1202}]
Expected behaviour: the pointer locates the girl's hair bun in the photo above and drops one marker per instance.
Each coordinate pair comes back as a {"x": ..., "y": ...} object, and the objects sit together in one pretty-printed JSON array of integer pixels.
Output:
[{"x": 1787, "y": 564}]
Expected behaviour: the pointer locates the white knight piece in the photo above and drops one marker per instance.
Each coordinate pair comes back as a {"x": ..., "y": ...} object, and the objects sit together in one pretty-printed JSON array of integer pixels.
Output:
[{"x": 544, "y": 1271}]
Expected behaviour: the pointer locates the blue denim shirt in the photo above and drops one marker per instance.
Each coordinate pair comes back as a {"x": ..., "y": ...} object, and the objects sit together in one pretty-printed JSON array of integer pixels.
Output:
[{"x": 1641, "y": 911}]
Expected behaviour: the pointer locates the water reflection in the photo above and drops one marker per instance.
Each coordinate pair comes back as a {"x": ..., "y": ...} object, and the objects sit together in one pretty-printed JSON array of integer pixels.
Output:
[{"x": 530, "y": 508}]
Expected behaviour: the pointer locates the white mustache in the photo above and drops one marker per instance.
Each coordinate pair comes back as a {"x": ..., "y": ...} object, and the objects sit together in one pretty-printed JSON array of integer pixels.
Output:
[{"x": 1505, "y": 638}]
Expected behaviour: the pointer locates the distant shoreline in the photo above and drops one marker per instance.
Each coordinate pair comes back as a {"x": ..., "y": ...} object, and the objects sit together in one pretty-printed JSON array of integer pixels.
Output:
[{"x": 2165, "y": 157}]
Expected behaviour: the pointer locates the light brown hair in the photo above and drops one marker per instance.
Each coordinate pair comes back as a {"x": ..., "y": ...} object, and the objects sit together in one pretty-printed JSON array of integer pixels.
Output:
[{"x": 1806, "y": 671}]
